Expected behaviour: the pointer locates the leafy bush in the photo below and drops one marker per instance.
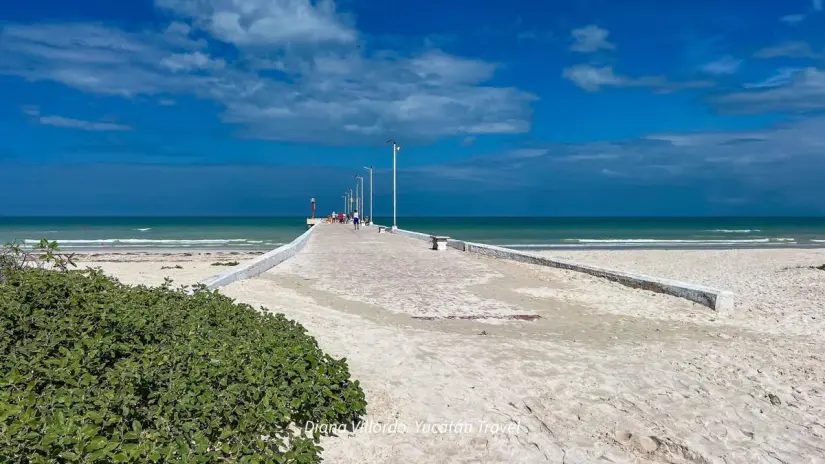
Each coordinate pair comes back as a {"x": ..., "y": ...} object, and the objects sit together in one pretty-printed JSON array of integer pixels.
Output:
[
  {"x": 44, "y": 254},
  {"x": 95, "y": 371}
]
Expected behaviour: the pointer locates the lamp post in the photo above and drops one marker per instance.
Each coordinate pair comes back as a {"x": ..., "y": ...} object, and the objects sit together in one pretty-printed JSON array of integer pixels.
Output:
[
  {"x": 371, "y": 198},
  {"x": 360, "y": 197},
  {"x": 345, "y": 203},
  {"x": 395, "y": 149}
]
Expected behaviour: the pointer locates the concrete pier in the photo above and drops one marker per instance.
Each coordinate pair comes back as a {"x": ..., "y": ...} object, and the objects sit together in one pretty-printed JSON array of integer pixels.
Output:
[
  {"x": 584, "y": 369},
  {"x": 406, "y": 276}
]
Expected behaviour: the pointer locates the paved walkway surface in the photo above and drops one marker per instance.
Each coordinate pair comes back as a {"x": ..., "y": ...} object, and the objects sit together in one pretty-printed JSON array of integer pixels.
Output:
[
  {"x": 399, "y": 274},
  {"x": 606, "y": 374}
]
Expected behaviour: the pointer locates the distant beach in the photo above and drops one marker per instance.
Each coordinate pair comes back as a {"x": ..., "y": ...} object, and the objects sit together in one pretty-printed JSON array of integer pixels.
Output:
[{"x": 258, "y": 233}]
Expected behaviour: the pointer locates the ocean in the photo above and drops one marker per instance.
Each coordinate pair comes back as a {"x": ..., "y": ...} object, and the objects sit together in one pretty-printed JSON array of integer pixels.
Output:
[{"x": 256, "y": 233}]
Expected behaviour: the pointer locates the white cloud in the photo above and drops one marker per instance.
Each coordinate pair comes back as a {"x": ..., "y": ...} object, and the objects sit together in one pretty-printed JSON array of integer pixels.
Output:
[
  {"x": 592, "y": 79},
  {"x": 817, "y": 5},
  {"x": 796, "y": 138},
  {"x": 334, "y": 94},
  {"x": 59, "y": 121},
  {"x": 724, "y": 65},
  {"x": 771, "y": 157},
  {"x": 191, "y": 61},
  {"x": 792, "y": 19},
  {"x": 91, "y": 58},
  {"x": 444, "y": 68},
  {"x": 792, "y": 49},
  {"x": 265, "y": 22},
  {"x": 612, "y": 173},
  {"x": 527, "y": 153},
  {"x": 782, "y": 77},
  {"x": 804, "y": 92},
  {"x": 31, "y": 110},
  {"x": 590, "y": 39}
]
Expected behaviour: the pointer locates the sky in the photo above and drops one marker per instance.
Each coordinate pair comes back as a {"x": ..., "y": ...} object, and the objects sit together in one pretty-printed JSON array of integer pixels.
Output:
[{"x": 501, "y": 108}]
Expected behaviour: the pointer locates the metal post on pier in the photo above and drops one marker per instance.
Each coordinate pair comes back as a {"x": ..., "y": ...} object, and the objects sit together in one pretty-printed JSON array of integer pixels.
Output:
[
  {"x": 360, "y": 196},
  {"x": 371, "y": 197},
  {"x": 395, "y": 149}
]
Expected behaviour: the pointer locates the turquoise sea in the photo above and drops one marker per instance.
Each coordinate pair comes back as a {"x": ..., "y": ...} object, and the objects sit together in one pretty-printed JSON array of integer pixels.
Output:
[{"x": 256, "y": 233}]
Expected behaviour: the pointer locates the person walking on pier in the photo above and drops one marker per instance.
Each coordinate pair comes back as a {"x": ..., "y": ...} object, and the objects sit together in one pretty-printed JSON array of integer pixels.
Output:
[{"x": 355, "y": 221}]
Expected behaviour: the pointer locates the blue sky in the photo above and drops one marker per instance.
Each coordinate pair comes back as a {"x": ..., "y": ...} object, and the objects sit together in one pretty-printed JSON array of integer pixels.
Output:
[{"x": 502, "y": 107}]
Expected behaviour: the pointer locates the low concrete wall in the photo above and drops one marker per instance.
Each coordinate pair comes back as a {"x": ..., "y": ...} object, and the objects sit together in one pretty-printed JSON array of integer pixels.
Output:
[
  {"x": 719, "y": 300},
  {"x": 261, "y": 264},
  {"x": 411, "y": 234},
  {"x": 459, "y": 245}
]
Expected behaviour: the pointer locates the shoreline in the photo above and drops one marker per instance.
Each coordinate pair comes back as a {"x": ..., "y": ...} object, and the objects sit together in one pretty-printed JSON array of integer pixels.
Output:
[
  {"x": 519, "y": 247},
  {"x": 162, "y": 251}
]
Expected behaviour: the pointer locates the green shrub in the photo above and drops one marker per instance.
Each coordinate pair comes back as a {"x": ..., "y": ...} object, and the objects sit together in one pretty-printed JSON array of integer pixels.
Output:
[{"x": 95, "y": 371}]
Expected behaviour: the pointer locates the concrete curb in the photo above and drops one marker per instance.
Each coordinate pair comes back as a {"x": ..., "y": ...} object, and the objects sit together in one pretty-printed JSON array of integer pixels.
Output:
[
  {"x": 719, "y": 300},
  {"x": 411, "y": 234},
  {"x": 260, "y": 264}
]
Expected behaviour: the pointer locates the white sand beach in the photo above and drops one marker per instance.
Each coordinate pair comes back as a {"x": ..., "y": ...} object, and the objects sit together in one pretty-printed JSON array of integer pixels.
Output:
[{"x": 607, "y": 374}]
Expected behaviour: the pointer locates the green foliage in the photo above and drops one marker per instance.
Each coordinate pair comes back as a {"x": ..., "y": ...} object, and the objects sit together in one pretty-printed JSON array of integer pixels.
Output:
[
  {"x": 44, "y": 254},
  {"x": 95, "y": 371},
  {"x": 227, "y": 263}
]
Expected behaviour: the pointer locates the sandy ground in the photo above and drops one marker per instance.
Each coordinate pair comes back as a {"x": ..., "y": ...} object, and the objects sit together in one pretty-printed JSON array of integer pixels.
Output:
[
  {"x": 607, "y": 374},
  {"x": 146, "y": 268},
  {"x": 777, "y": 291}
]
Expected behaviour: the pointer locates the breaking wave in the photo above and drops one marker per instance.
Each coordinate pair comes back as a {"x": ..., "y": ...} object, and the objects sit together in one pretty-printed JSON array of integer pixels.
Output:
[
  {"x": 158, "y": 243},
  {"x": 734, "y": 231}
]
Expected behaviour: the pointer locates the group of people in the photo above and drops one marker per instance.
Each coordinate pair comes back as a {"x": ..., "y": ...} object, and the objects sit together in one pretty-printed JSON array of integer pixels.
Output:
[{"x": 342, "y": 218}]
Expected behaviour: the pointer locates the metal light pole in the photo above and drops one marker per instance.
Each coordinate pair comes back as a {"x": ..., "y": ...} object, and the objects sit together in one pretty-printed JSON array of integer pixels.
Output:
[
  {"x": 361, "y": 196},
  {"x": 371, "y": 198},
  {"x": 351, "y": 199},
  {"x": 345, "y": 203},
  {"x": 356, "y": 194},
  {"x": 395, "y": 149}
]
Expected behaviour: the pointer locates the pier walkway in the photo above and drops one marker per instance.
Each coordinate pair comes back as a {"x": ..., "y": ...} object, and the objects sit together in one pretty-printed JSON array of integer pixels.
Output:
[{"x": 474, "y": 359}]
